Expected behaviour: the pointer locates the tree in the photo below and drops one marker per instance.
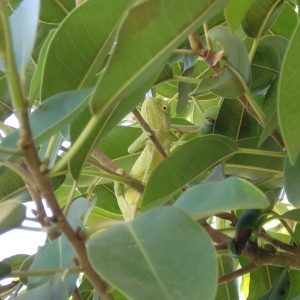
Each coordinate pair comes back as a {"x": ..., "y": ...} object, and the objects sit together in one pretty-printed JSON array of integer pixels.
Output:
[{"x": 200, "y": 203}]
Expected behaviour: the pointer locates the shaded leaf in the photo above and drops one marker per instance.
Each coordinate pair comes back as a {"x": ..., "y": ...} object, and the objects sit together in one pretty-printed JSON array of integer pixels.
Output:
[
  {"x": 260, "y": 16},
  {"x": 12, "y": 214},
  {"x": 293, "y": 214},
  {"x": 55, "y": 11},
  {"x": 184, "y": 165},
  {"x": 288, "y": 95},
  {"x": 16, "y": 261},
  {"x": 5, "y": 269},
  {"x": 210, "y": 198},
  {"x": 147, "y": 258}
]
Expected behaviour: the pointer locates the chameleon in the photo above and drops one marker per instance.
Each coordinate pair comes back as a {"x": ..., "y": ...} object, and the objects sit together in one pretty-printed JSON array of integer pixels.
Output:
[{"x": 156, "y": 113}]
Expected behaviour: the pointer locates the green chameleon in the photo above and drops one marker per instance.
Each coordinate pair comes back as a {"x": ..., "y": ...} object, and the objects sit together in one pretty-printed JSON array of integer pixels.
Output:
[{"x": 155, "y": 112}]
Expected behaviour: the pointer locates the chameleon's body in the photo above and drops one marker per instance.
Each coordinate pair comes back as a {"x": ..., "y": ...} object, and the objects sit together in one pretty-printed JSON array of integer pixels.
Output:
[{"x": 155, "y": 113}]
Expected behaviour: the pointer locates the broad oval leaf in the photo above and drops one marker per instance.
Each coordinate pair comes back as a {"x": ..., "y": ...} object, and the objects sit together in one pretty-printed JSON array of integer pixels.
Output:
[
  {"x": 50, "y": 117},
  {"x": 55, "y": 11},
  {"x": 140, "y": 51},
  {"x": 260, "y": 16},
  {"x": 184, "y": 165},
  {"x": 72, "y": 61},
  {"x": 232, "y": 193},
  {"x": 26, "y": 14},
  {"x": 288, "y": 97},
  {"x": 12, "y": 214},
  {"x": 163, "y": 254}
]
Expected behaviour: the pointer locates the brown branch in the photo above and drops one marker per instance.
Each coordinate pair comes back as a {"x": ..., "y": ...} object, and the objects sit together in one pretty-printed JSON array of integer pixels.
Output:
[
  {"x": 109, "y": 166},
  {"x": 216, "y": 235},
  {"x": 152, "y": 135},
  {"x": 237, "y": 273}
]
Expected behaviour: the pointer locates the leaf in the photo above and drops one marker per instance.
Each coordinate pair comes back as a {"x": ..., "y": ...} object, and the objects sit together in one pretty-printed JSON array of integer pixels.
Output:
[
  {"x": 12, "y": 214},
  {"x": 260, "y": 17},
  {"x": 229, "y": 118},
  {"x": 184, "y": 90},
  {"x": 291, "y": 181},
  {"x": 148, "y": 259},
  {"x": 138, "y": 38},
  {"x": 26, "y": 14},
  {"x": 184, "y": 165},
  {"x": 11, "y": 184},
  {"x": 55, "y": 11},
  {"x": 16, "y": 261},
  {"x": 267, "y": 63},
  {"x": 50, "y": 116},
  {"x": 270, "y": 126},
  {"x": 286, "y": 22},
  {"x": 236, "y": 72},
  {"x": 235, "y": 11},
  {"x": 80, "y": 46},
  {"x": 59, "y": 254},
  {"x": 52, "y": 289},
  {"x": 261, "y": 281},
  {"x": 5, "y": 269},
  {"x": 293, "y": 214},
  {"x": 35, "y": 86},
  {"x": 207, "y": 199},
  {"x": 288, "y": 93}
]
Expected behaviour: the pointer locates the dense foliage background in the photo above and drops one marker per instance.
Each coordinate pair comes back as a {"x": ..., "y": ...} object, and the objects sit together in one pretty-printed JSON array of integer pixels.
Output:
[{"x": 221, "y": 145}]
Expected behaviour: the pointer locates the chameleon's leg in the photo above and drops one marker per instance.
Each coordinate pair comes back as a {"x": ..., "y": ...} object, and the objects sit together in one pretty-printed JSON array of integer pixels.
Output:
[{"x": 124, "y": 206}]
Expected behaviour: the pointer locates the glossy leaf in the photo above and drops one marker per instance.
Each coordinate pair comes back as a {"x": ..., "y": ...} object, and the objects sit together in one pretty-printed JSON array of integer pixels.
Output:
[
  {"x": 260, "y": 16},
  {"x": 147, "y": 258},
  {"x": 26, "y": 14},
  {"x": 288, "y": 93},
  {"x": 210, "y": 198},
  {"x": 50, "y": 117},
  {"x": 184, "y": 165},
  {"x": 75, "y": 64},
  {"x": 137, "y": 39},
  {"x": 235, "y": 11},
  {"x": 12, "y": 214}
]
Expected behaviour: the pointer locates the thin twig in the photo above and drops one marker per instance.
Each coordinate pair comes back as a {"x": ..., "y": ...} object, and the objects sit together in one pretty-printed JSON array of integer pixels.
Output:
[
  {"x": 152, "y": 135},
  {"x": 237, "y": 273}
]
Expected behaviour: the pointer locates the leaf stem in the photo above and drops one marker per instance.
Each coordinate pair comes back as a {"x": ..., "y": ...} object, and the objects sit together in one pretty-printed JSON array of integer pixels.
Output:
[
  {"x": 205, "y": 27},
  {"x": 184, "y": 51},
  {"x": 12, "y": 151},
  {"x": 42, "y": 272}
]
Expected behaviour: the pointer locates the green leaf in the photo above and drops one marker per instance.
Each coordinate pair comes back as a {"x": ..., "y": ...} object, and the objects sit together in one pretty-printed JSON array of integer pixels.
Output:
[
  {"x": 5, "y": 269},
  {"x": 50, "y": 116},
  {"x": 288, "y": 108},
  {"x": 147, "y": 258},
  {"x": 270, "y": 126},
  {"x": 291, "y": 181},
  {"x": 55, "y": 11},
  {"x": 72, "y": 61},
  {"x": 11, "y": 185},
  {"x": 267, "y": 62},
  {"x": 286, "y": 22},
  {"x": 293, "y": 214},
  {"x": 53, "y": 289},
  {"x": 232, "y": 193},
  {"x": 235, "y": 11},
  {"x": 138, "y": 38},
  {"x": 35, "y": 86},
  {"x": 229, "y": 118},
  {"x": 59, "y": 254},
  {"x": 12, "y": 214},
  {"x": 184, "y": 165},
  {"x": 261, "y": 281},
  {"x": 16, "y": 261},
  {"x": 26, "y": 14},
  {"x": 260, "y": 17},
  {"x": 236, "y": 72}
]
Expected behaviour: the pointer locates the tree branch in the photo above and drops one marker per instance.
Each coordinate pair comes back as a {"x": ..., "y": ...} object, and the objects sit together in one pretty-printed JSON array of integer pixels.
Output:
[{"x": 152, "y": 135}]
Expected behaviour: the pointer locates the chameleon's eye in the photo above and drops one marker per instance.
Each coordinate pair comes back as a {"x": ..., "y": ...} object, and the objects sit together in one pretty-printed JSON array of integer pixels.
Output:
[{"x": 164, "y": 108}]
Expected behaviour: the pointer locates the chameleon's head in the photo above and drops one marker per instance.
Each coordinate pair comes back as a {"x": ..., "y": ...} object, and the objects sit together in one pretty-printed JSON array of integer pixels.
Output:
[{"x": 156, "y": 113}]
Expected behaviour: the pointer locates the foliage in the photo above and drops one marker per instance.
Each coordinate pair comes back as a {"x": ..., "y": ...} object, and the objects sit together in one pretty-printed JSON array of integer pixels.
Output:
[{"x": 175, "y": 195}]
